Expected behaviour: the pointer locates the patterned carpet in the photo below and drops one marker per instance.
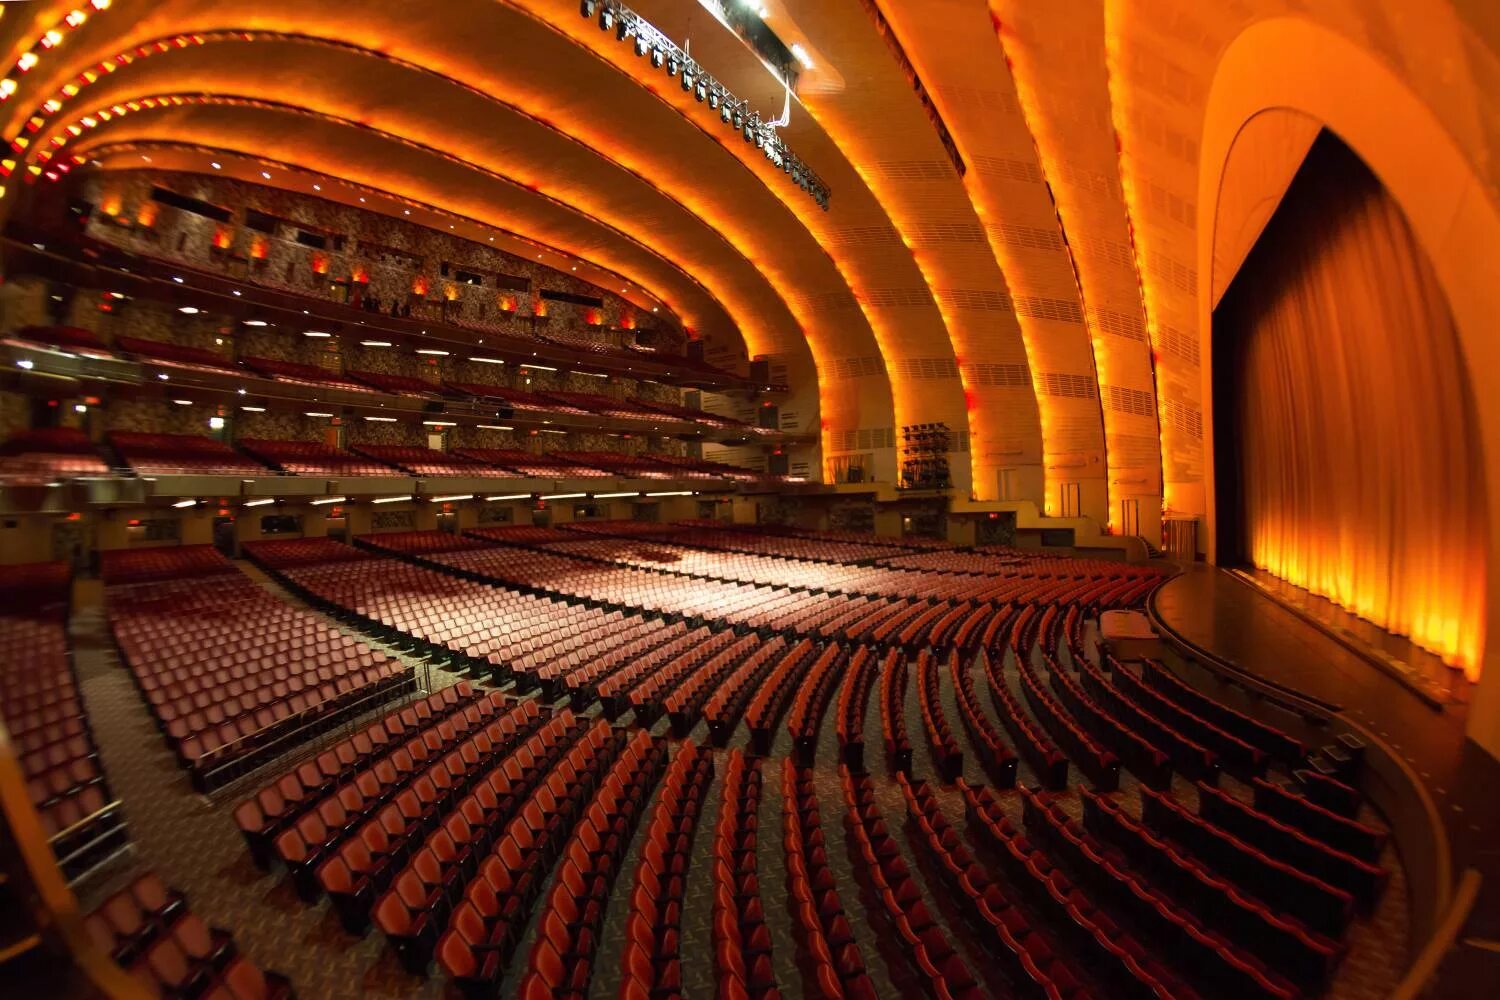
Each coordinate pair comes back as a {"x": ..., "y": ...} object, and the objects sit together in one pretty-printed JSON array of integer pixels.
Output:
[{"x": 193, "y": 843}]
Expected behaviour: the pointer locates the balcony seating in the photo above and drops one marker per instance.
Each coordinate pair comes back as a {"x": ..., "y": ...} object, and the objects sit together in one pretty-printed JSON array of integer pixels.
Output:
[
  {"x": 181, "y": 455},
  {"x": 399, "y": 385},
  {"x": 920, "y": 939},
  {"x": 66, "y": 338},
  {"x": 148, "y": 928},
  {"x": 301, "y": 374},
  {"x": 516, "y": 399},
  {"x": 175, "y": 355},
  {"x": 425, "y": 462},
  {"x": 819, "y": 924},
  {"x": 313, "y": 458},
  {"x": 44, "y": 455},
  {"x": 605, "y": 406},
  {"x": 652, "y": 961},
  {"x": 530, "y": 464},
  {"x": 617, "y": 464}
]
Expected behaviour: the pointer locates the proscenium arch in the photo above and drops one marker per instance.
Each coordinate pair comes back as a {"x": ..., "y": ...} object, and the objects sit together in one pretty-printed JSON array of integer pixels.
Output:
[{"x": 1295, "y": 64}]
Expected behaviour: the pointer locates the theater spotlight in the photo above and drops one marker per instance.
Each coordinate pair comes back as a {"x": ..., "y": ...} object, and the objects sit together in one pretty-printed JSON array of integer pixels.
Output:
[
  {"x": 606, "y": 19},
  {"x": 750, "y": 133},
  {"x": 640, "y": 44},
  {"x": 760, "y": 141},
  {"x": 657, "y": 58},
  {"x": 713, "y": 99},
  {"x": 622, "y": 30},
  {"x": 739, "y": 120},
  {"x": 700, "y": 92},
  {"x": 587, "y": 8},
  {"x": 724, "y": 113},
  {"x": 673, "y": 66},
  {"x": 687, "y": 82}
]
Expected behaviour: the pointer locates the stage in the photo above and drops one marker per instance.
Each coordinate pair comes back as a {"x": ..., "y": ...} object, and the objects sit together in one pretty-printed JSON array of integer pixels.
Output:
[{"x": 1240, "y": 630}]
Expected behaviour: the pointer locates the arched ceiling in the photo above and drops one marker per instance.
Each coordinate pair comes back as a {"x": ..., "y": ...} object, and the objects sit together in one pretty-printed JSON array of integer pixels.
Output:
[{"x": 1046, "y": 297}]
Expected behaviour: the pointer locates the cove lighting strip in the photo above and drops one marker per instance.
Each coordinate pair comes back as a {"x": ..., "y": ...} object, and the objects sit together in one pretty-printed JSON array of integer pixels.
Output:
[{"x": 327, "y": 500}]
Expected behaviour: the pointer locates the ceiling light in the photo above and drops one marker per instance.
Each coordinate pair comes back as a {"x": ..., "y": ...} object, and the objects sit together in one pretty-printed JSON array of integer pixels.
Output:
[
  {"x": 489, "y": 361},
  {"x": 381, "y": 420},
  {"x": 433, "y": 351},
  {"x": 176, "y": 279},
  {"x": 389, "y": 499},
  {"x": 316, "y": 333},
  {"x": 256, "y": 322},
  {"x": 265, "y": 175},
  {"x": 562, "y": 496},
  {"x": 26, "y": 363},
  {"x": 540, "y": 368},
  {"x": 510, "y": 496},
  {"x": 614, "y": 496},
  {"x": 183, "y": 402},
  {"x": 450, "y": 499},
  {"x": 253, "y": 409},
  {"x": 188, "y": 310},
  {"x": 236, "y": 291},
  {"x": 671, "y": 493},
  {"x": 260, "y": 503},
  {"x": 438, "y": 423},
  {"x": 374, "y": 343},
  {"x": 315, "y": 413},
  {"x": 181, "y": 504},
  {"x": 317, "y": 187},
  {"x": 216, "y": 166},
  {"x": 323, "y": 500},
  {"x": 494, "y": 427}
]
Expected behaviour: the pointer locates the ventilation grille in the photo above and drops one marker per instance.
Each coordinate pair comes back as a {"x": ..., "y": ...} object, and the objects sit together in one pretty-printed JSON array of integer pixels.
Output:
[
  {"x": 946, "y": 234},
  {"x": 896, "y": 298},
  {"x": 1112, "y": 252},
  {"x": 862, "y": 439},
  {"x": 865, "y": 367},
  {"x": 1066, "y": 385},
  {"x": 1000, "y": 168},
  {"x": 1174, "y": 273},
  {"x": 1027, "y": 237},
  {"x": 1009, "y": 376},
  {"x": 981, "y": 299},
  {"x": 1060, "y": 310},
  {"x": 925, "y": 368},
  {"x": 1133, "y": 401},
  {"x": 914, "y": 170},
  {"x": 1180, "y": 210},
  {"x": 1179, "y": 344},
  {"x": 864, "y": 236},
  {"x": 822, "y": 302},
  {"x": 1188, "y": 419},
  {"x": 975, "y": 99},
  {"x": 1131, "y": 326}
]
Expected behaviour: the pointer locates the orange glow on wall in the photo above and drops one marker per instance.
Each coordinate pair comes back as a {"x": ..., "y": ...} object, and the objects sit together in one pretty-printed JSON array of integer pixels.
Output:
[
  {"x": 319, "y": 263},
  {"x": 507, "y": 303},
  {"x": 146, "y": 217},
  {"x": 593, "y": 317},
  {"x": 359, "y": 275},
  {"x": 259, "y": 248},
  {"x": 538, "y": 306},
  {"x": 419, "y": 285},
  {"x": 222, "y": 238}
]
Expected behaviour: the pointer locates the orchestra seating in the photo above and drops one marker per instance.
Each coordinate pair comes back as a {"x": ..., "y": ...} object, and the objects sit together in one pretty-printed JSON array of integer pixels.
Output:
[
  {"x": 495, "y": 837},
  {"x": 148, "y": 928},
  {"x": 232, "y": 675},
  {"x": 48, "y": 723},
  {"x": 181, "y": 454}
]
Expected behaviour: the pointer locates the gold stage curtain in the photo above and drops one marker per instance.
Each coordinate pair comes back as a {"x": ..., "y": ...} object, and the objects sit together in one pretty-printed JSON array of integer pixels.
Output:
[{"x": 1359, "y": 474}]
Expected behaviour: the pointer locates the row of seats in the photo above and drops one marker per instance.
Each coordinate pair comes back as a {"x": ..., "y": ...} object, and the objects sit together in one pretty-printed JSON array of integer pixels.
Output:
[
  {"x": 47, "y": 720},
  {"x": 1101, "y": 765},
  {"x": 685, "y": 704},
  {"x": 937, "y": 965},
  {"x": 181, "y": 454},
  {"x": 771, "y": 698},
  {"x": 148, "y": 929},
  {"x": 1005, "y": 931},
  {"x": 1084, "y": 721},
  {"x": 741, "y": 940},
  {"x": 1268, "y": 738},
  {"x": 1048, "y": 763},
  {"x": 947, "y": 756},
  {"x": 563, "y": 956},
  {"x": 854, "y": 702},
  {"x": 235, "y": 676},
  {"x": 727, "y": 704},
  {"x": 1262, "y": 927},
  {"x": 997, "y": 759},
  {"x": 1219, "y": 965},
  {"x": 805, "y": 717},
  {"x": 652, "y": 961},
  {"x": 819, "y": 923},
  {"x": 44, "y": 455},
  {"x": 1241, "y": 759},
  {"x": 897, "y": 744}
]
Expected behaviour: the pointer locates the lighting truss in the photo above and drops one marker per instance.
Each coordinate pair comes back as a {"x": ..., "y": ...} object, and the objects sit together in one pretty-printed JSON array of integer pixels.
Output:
[{"x": 733, "y": 112}]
